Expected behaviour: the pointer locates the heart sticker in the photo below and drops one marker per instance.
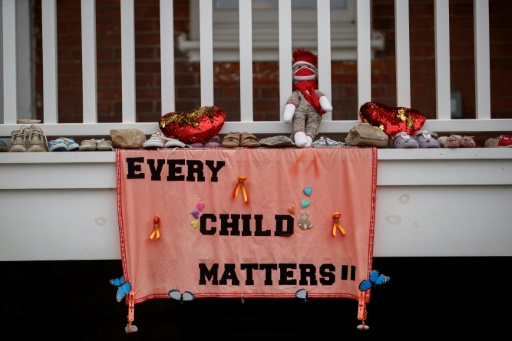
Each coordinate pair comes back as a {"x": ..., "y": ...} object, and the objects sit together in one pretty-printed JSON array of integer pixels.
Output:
[
  {"x": 195, "y": 213},
  {"x": 194, "y": 223},
  {"x": 291, "y": 209},
  {"x": 200, "y": 207},
  {"x": 305, "y": 203},
  {"x": 308, "y": 191}
]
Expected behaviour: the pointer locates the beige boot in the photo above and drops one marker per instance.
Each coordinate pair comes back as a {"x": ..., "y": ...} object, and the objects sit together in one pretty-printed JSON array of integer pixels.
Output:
[
  {"x": 36, "y": 140},
  {"x": 19, "y": 139}
]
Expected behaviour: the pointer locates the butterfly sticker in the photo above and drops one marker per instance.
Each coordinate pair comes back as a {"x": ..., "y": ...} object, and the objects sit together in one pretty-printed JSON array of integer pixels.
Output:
[
  {"x": 302, "y": 294},
  {"x": 176, "y": 295},
  {"x": 373, "y": 280},
  {"x": 122, "y": 287}
]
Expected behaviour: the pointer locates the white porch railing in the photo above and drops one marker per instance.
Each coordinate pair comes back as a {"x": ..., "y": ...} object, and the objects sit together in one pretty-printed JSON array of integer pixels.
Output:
[
  {"x": 90, "y": 126},
  {"x": 59, "y": 206}
]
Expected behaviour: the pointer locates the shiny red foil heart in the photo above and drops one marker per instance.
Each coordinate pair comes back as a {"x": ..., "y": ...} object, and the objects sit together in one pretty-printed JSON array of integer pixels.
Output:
[
  {"x": 199, "y": 125},
  {"x": 392, "y": 120}
]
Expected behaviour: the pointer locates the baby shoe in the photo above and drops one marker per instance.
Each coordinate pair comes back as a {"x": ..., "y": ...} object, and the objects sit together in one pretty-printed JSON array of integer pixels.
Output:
[
  {"x": 3, "y": 146},
  {"x": 324, "y": 141},
  {"x": 449, "y": 141},
  {"x": 403, "y": 140},
  {"x": 71, "y": 145},
  {"x": 104, "y": 145},
  {"x": 425, "y": 139},
  {"x": 505, "y": 141},
  {"x": 87, "y": 145},
  {"x": 157, "y": 140},
  {"x": 231, "y": 140},
  {"x": 248, "y": 140},
  {"x": 467, "y": 142},
  {"x": 57, "y": 145}
]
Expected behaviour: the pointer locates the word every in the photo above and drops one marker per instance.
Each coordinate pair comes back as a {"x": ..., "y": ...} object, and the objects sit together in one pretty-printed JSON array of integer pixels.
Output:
[{"x": 175, "y": 169}]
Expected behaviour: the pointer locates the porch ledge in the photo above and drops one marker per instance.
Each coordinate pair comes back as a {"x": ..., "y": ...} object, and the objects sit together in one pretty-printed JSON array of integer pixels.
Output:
[
  {"x": 396, "y": 167},
  {"x": 443, "y": 203}
]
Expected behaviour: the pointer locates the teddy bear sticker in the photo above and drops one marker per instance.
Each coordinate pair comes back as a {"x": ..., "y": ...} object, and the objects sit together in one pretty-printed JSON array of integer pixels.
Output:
[
  {"x": 304, "y": 222},
  {"x": 306, "y": 104}
]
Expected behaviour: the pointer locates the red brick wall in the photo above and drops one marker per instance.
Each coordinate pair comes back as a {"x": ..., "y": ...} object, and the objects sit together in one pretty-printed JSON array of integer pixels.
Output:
[{"x": 266, "y": 82}]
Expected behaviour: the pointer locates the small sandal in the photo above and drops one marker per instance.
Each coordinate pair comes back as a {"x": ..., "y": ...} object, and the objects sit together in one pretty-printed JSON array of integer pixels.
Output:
[
  {"x": 467, "y": 142},
  {"x": 231, "y": 140},
  {"x": 403, "y": 140},
  {"x": 449, "y": 141},
  {"x": 249, "y": 140},
  {"x": 324, "y": 141},
  {"x": 425, "y": 139}
]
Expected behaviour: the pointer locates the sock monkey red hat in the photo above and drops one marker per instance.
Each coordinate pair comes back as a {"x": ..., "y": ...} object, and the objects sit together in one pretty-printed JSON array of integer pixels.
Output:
[{"x": 307, "y": 104}]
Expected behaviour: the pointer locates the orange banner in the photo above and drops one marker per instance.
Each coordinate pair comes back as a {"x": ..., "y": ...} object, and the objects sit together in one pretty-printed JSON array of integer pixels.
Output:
[{"x": 246, "y": 222}]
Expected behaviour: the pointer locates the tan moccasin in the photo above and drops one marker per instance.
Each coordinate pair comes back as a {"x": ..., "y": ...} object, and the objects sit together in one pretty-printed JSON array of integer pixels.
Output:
[
  {"x": 249, "y": 140},
  {"x": 231, "y": 140}
]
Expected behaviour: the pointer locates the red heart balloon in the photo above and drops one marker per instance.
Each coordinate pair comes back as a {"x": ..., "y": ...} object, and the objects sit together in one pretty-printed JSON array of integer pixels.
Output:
[
  {"x": 199, "y": 125},
  {"x": 392, "y": 120}
]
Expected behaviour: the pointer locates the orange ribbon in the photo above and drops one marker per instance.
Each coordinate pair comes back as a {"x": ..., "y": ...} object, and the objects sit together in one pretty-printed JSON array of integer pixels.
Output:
[
  {"x": 240, "y": 185},
  {"x": 336, "y": 224},
  {"x": 156, "y": 228}
]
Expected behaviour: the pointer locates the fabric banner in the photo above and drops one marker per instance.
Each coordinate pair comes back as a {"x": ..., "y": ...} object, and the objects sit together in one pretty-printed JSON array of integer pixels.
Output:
[{"x": 246, "y": 222}]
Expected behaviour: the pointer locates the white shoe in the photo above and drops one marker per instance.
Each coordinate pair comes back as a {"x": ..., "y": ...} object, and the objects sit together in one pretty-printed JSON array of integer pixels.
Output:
[{"x": 157, "y": 140}]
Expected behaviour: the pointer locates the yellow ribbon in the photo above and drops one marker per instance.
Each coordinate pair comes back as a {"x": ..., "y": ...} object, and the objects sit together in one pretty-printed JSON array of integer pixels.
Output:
[
  {"x": 240, "y": 185},
  {"x": 156, "y": 228},
  {"x": 336, "y": 224}
]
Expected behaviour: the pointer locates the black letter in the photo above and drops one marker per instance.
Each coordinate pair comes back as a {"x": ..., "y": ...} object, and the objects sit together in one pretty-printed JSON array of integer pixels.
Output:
[
  {"x": 307, "y": 270},
  {"x": 132, "y": 168},
  {"x": 224, "y": 225},
  {"x": 285, "y": 273},
  {"x": 195, "y": 167},
  {"x": 249, "y": 267},
  {"x": 173, "y": 169},
  {"x": 204, "y": 274},
  {"x": 259, "y": 232},
  {"x": 214, "y": 169},
  {"x": 202, "y": 224},
  {"x": 155, "y": 172},
  {"x": 279, "y": 225},
  {"x": 326, "y": 271},
  {"x": 229, "y": 273},
  {"x": 268, "y": 272}
]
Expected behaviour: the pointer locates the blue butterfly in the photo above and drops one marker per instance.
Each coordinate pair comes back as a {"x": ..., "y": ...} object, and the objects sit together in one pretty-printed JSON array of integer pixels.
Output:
[
  {"x": 302, "y": 294},
  {"x": 373, "y": 280},
  {"x": 176, "y": 295},
  {"x": 122, "y": 287}
]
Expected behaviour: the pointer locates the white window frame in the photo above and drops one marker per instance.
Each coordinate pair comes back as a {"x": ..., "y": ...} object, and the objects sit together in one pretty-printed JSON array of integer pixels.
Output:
[{"x": 265, "y": 36}]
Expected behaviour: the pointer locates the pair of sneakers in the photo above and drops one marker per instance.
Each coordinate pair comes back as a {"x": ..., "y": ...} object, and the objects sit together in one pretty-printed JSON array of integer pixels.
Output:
[
  {"x": 94, "y": 144},
  {"x": 421, "y": 139},
  {"x": 28, "y": 139},
  {"x": 159, "y": 140},
  {"x": 63, "y": 144}
]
